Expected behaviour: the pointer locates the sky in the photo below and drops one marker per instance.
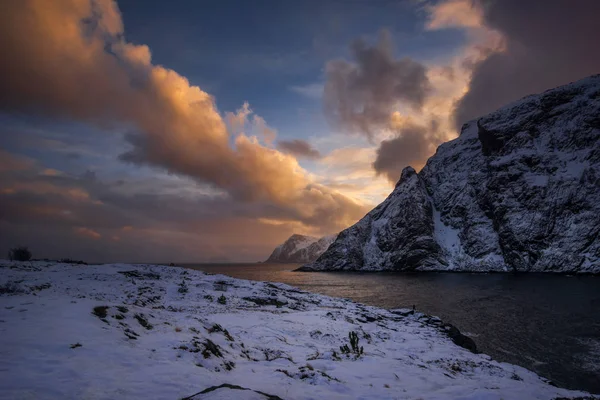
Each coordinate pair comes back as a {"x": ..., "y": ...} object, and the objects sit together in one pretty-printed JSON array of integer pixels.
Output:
[{"x": 187, "y": 131}]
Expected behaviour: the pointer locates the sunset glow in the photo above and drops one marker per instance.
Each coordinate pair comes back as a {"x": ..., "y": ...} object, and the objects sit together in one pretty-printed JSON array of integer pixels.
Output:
[{"x": 128, "y": 136}]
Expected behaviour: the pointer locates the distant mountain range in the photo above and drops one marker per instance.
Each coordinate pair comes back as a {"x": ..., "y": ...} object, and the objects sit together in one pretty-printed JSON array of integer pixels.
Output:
[
  {"x": 518, "y": 190},
  {"x": 300, "y": 249}
]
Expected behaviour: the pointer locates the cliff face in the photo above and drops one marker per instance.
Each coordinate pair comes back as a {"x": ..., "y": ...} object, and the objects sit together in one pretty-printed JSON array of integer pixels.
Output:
[
  {"x": 397, "y": 232},
  {"x": 300, "y": 249},
  {"x": 519, "y": 189}
]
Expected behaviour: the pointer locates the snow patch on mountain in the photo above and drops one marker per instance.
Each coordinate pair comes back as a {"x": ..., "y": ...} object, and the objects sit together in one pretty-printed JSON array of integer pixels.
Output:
[
  {"x": 300, "y": 249},
  {"x": 446, "y": 235}
]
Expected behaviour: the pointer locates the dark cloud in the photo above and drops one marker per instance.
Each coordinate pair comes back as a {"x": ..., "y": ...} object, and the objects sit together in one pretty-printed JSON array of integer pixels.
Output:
[
  {"x": 298, "y": 148},
  {"x": 548, "y": 43},
  {"x": 366, "y": 95},
  {"x": 361, "y": 95},
  {"x": 411, "y": 146}
]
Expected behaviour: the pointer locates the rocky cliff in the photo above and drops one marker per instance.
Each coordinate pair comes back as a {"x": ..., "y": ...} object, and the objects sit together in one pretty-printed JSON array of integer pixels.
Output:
[
  {"x": 518, "y": 190},
  {"x": 300, "y": 249}
]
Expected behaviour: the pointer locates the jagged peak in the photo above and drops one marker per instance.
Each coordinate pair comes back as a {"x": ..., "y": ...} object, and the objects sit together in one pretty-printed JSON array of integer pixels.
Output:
[
  {"x": 407, "y": 173},
  {"x": 297, "y": 236}
]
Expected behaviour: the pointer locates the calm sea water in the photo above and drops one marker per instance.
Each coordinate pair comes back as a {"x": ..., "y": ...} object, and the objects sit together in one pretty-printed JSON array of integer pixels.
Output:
[{"x": 549, "y": 324}]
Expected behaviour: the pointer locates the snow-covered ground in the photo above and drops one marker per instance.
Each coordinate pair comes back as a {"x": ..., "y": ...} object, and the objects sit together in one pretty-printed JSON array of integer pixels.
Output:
[{"x": 151, "y": 332}]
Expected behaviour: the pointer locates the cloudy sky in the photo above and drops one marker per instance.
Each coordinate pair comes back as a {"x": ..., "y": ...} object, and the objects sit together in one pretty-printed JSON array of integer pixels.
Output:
[{"x": 201, "y": 131}]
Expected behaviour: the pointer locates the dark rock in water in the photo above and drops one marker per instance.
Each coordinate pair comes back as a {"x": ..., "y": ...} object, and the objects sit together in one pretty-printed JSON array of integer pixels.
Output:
[
  {"x": 458, "y": 338},
  {"x": 518, "y": 190}
]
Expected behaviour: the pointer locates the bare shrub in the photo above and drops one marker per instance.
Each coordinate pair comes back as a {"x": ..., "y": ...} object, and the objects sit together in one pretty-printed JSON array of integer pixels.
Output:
[{"x": 19, "y": 253}]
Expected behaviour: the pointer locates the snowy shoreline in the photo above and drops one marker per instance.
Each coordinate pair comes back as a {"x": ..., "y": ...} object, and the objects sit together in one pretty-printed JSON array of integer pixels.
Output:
[{"x": 144, "y": 331}]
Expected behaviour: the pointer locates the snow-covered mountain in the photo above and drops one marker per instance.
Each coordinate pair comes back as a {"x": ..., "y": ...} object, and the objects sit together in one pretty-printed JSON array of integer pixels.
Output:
[
  {"x": 519, "y": 190},
  {"x": 300, "y": 249}
]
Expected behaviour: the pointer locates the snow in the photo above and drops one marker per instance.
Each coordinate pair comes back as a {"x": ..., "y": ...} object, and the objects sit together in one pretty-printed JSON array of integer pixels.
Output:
[
  {"x": 320, "y": 246},
  {"x": 292, "y": 245},
  {"x": 536, "y": 179},
  {"x": 300, "y": 248},
  {"x": 373, "y": 255},
  {"x": 574, "y": 169},
  {"x": 445, "y": 235},
  {"x": 303, "y": 242},
  {"x": 265, "y": 338}
]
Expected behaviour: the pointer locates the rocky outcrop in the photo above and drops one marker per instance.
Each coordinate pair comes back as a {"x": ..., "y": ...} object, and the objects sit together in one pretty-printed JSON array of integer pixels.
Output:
[
  {"x": 399, "y": 231},
  {"x": 300, "y": 249},
  {"x": 518, "y": 190}
]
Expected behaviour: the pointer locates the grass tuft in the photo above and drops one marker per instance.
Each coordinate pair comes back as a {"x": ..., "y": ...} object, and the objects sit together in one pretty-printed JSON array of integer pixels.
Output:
[{"x": 354, "y": 348}]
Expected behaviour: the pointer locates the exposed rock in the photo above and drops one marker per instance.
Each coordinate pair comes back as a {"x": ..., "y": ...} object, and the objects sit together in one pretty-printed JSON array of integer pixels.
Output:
[
  {"x": 518, "y": 190},
  {"x": 458, "y": 338},
  {"x": 399, "y": 233}
]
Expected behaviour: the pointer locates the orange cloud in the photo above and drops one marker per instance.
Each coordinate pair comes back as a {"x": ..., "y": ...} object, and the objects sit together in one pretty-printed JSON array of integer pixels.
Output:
[
  {"x": 455, "y": 14},
  {"x": 238, "y": 120},
  {"x": 76, "y": 194},
  {"x": 267, "y": 133},
  {"x": 86, "y": 232},
  {"x": 50, "y": 172},
  {"x": 70, "y": 59}
]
